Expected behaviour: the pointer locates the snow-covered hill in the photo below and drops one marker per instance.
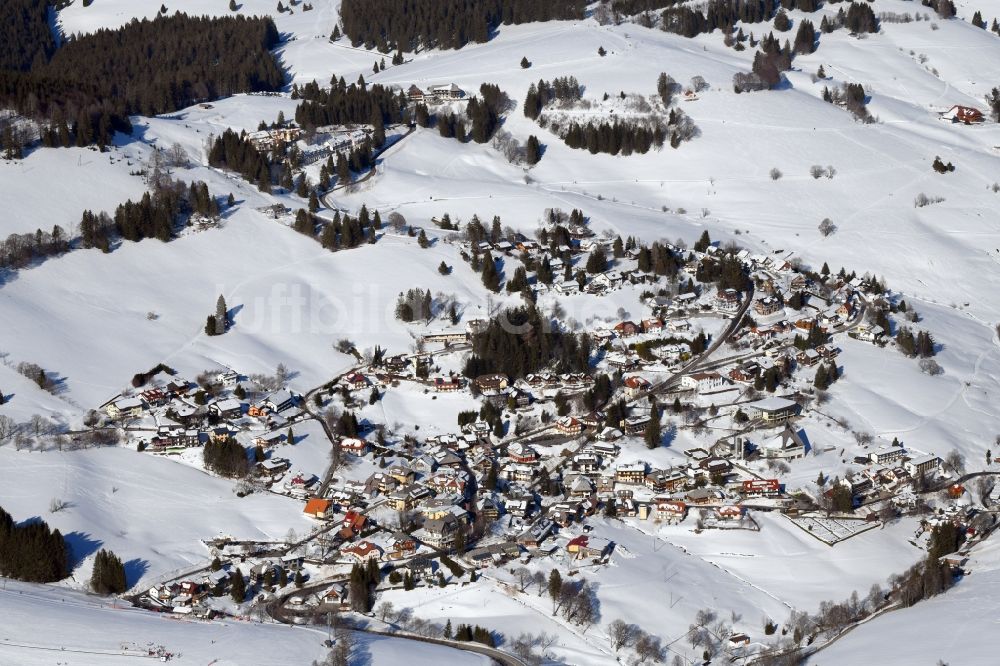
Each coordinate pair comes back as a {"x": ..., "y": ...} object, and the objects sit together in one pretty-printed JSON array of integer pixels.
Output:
[{"x": 84, "y": 316}]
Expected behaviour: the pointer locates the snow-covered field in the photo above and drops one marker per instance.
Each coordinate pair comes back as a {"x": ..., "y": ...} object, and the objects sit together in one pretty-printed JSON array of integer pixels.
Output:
[
  {"x": 79, "y": 630},
  {"x": 84, "y": 316}
]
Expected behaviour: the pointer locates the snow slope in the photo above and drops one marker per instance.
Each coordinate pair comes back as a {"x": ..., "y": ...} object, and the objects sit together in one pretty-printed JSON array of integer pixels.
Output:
[
  {"x": 91, "y": 631},
  {"x": 963, "y": 620},
  {"x": 83, "y": 316}
]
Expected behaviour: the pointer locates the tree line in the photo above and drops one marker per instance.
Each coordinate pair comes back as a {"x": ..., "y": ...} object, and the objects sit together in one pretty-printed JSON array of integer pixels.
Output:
[
  {"x": 92, "y": 83},
  {"x": 343, "y": 104},
  {"x": 155, "y": 215},
  {"x": 564, "y": 89},
  {"x": 31, "y": 551},
  {"x": 409, "y": 25}
]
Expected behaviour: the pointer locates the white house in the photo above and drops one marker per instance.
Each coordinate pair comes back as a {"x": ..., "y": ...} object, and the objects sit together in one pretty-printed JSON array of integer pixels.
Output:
[{"x": 704, "y": 382}]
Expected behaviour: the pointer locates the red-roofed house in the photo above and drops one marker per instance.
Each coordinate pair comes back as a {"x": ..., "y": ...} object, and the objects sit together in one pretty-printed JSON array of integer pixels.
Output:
[{"x": 362, "y": 552}]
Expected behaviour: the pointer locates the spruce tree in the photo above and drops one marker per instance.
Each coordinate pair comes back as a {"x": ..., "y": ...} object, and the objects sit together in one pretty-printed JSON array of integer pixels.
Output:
[
  {"x": 653, "y": 435},
  {"x": 221, "y": 316},
  {"x": 108, "y": 576},
  {"x": 237, "y": 587}
]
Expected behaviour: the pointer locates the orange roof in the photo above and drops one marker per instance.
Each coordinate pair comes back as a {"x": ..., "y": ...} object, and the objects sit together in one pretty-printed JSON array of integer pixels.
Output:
[{"x": 317, "y": 505}]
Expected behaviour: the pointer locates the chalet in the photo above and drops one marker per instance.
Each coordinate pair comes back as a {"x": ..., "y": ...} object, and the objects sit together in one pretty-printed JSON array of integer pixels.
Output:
[
  {"x": 729, "y": 512},
  {"x": 354, "y": 445},
  {"x": 447, "y": 337},
  {"x": 568, "y": 425},
  {"x": 669, "y": 509},
  {"x": 808, "y": 358},
  {"x": 491, "y": 384},
  {"x": 627, "y": 329},
  {"x": 609, "y": 434},
  {"x": 447, "y": 384},
  {"x": 761, "y": 487},
  {"x": 401, "y": 545},
  {"x": 269, "y": 440},
  {"x": 522, "y": 454},
  {"x": 272, "y": 467},
  {"x": 633, "y": 474},
  {"x": 679, "y": 325},
  {"x": 221, "y": 434},
  {"x": 963, "y": 114},
  {"x": 714, "y": 466},
  {"x": 415, "y": 94},
  {"x": 867, "y": 333},
  {"x": 773, "y": 410},
  {"x": 921, "y": 465},
  {"x": 588, "y": 547},
  {"x": 703, "y": 382},
  {"x": 494, "y": 554},
  {"x": 407, "y": 497},
  {"x": 317, "y": 508},
  {"x": 126, "y": 408},
  {"x": 567, "y": 287},
  {"x": 279, "y": 401},
  {"x": 353, "y": 522},
  {"x": 585, "y": 463},
  {"x": 621, "y": 361},
  {"x": 635, "y": 386},
  {"x": 450, "y": 459},
  {"x": 887, "y": 455},
  {"x": 228, "y": 409},
  {"x": 154, "y": 397},
  {"x": 356, "y": 381},
  {"x": 564, "y": 514},
  {"x": 440, "y": 532},
  {"x": 401, "y": 473},
  {"x": 519, "y": 473},
  {"x": 767, "y": 306},
  {"x": 858, "y": 484},
  {"x": 447, "y": 483},
  {"x": 745, "y": 373},
  {"x": 701, "y": 496},
  {"x": 635, "y": 425},
  {"x": 608, "y": 280},
  {"x": 362, "y": 552},
  {"x": 660, "y": 481},
  {"x": 580, "y": 488},
  {"x": 653, "y": 325},
  {"x": 727, "y": 300},
  {"x": 445, "y": 92}
]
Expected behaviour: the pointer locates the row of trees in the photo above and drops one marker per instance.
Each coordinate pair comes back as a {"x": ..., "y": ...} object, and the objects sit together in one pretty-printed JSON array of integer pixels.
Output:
[
  {"x": 155, "y": 215},
  {"x": 563, "y": 89},
  {"x": 343, "y": 104},
  {"x": 409, "y": 25},
  {"x": 618, "y": 136},
  {"x": 31, "y": 551}
]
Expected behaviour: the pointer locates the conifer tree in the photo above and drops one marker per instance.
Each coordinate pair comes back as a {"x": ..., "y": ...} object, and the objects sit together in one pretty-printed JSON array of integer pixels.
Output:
[
  {"x": 237, "y": 587},
  {"x": 221, "y": 315},
  {"x": 108, "y": 576}
]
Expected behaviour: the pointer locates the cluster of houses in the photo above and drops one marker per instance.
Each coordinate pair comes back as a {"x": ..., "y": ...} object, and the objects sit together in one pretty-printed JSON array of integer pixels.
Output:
[
  {"x": 888, "y": 470},
  {"x": 181, "y": 414},
  {"x": 267, "y": 139}
]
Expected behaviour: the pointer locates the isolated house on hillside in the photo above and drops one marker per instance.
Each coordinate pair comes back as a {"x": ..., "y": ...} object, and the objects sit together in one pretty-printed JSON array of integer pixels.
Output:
[{"x": 963, "y": 114}]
